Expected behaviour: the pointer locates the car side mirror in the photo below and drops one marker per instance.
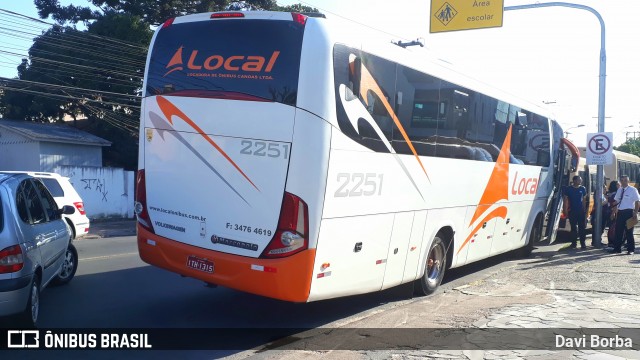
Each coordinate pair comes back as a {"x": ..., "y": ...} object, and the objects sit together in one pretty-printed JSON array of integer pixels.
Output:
[{"x": 67, "y": 210}]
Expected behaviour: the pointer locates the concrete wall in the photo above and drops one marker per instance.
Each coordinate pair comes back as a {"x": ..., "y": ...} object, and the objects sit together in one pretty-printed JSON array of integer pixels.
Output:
[
  {"x": 17, "y": 153},
  {"x": 59, "y": 154},
  {"x": 106, "y": 192}
]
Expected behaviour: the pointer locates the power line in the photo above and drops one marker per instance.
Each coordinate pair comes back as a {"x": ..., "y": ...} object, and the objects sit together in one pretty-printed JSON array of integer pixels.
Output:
[
  {"x": 116, "y": 41},
  {"x": 64, "y": 40},
  {"x": 77, "y": 75},
  {"x": 67, "y": 87},
  {"x": 33, "y": 92},
  {"x": 110, "y": 71},
  {"x": 354, "y": 21},
  {"x": 32, "y": 50},
  {"x": 72, "y": 40},
  {"x": 118, "y": 121}
]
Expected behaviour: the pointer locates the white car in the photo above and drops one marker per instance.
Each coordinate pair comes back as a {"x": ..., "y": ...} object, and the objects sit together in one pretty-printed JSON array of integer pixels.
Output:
[{"x": 64, "y": 194}]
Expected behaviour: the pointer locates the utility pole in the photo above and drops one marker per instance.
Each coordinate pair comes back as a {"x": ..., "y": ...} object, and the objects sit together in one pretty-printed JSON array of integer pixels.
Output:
[{"x": 597, "y": 230}]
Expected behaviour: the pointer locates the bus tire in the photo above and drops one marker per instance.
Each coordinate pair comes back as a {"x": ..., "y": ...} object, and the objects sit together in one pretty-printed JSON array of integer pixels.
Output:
[
  {"x": 534, "y": 235},
  {"x": 435, "y": 266}
]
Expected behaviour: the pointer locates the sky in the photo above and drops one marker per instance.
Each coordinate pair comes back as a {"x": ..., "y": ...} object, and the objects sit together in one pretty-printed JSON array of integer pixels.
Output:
[{"x": 545, "y": 55}]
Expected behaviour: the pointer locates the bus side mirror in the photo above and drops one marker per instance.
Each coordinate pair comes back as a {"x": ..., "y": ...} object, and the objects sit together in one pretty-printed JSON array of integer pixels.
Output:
[{"x": 355, "y": 75}]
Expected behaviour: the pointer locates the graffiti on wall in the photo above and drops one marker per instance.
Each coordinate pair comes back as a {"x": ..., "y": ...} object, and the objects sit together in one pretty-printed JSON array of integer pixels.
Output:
[
  {"x": 106, "y": 192},
  {"x": 98, "y": 184}
]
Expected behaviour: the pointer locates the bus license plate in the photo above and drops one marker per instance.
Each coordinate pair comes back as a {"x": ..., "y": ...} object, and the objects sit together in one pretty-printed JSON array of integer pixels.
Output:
[{"x": 200, "y": 264}]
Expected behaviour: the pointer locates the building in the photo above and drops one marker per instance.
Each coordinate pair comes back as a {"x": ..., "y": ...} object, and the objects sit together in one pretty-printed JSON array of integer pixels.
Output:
[{"x": 31, "y": 146}]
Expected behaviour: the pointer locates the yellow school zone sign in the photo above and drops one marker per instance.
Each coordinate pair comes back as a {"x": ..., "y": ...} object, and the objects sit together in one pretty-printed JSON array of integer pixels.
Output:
[{"x": 452, "y": 15}]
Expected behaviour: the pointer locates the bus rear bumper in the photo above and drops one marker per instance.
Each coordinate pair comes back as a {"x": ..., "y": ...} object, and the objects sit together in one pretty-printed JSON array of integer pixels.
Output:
[{"x": 286, "y": 279}]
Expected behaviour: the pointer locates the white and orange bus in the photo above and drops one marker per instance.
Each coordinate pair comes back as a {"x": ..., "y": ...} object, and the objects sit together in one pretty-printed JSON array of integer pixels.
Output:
[
  {"x": 622, "y": 164},
  {"x": 280, "y": 158}
]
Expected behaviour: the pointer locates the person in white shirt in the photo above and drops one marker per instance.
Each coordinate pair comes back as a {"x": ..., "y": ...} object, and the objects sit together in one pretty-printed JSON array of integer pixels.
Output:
[{"x": 627, "y": 200}]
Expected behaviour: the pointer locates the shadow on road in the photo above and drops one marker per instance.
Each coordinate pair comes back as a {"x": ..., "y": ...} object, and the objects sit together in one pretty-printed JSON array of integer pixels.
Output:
[{"x": 148, "y": 297}]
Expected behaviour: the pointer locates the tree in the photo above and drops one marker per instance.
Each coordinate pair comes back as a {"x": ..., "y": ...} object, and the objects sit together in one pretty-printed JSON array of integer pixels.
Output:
[
  {"x": 94, "y": 74},
  {"x": 97, "y": 74},
  {"x": 153, "y": 12},
  {"x": 297, "y": 8},
  {"x": 631, "y": 146}
]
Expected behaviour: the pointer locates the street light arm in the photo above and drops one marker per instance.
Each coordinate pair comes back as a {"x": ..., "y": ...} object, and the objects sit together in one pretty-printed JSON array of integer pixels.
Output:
[
  {"x": 603, "y": 53},
  {"x": 601, "y": 98}
]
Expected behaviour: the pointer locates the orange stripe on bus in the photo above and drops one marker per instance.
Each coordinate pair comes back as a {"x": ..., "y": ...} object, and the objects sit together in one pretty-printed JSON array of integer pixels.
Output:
[
  {"x": 498, "y": 212},
  {"x": 369, "y": 83},
  {"x": 498, "y": 185},
  {"x": 169, "y": 110}
]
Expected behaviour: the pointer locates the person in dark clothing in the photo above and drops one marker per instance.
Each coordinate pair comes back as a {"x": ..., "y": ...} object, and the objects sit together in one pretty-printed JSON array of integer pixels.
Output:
[
  {"x": 575, "y": 200},
  {"x": 628, "y": 203},
  {"x": 611, "y": 219}
]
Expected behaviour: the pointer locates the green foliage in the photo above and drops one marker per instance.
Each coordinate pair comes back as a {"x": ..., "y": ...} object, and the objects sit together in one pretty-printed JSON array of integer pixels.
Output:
[
  {"x": 108, "y": 59},
  {"x": 297, "y": 8},
  {"x": 152, "y": 12},
  {"x": 631, "y": 146},
  {"x": 94, "y": 74}
]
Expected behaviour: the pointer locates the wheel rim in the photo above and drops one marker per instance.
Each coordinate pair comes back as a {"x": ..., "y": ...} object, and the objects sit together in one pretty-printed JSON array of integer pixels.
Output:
[
  {"x": 68, "y": 265},
  {"x": 35, "y": 302},
  {"x": 435, "y": 264}
]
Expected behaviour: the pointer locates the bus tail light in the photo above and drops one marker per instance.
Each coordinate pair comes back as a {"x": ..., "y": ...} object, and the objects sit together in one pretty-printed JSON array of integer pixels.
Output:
[
  {"x": 140, "y": 206},
  {"x": 227, "y": 15},
  {"x": 168, "y": 23},
  {"x": 299, "y": 18},
  {"x": 292, "y": 235},
  {"x": 11, "y": 259}
]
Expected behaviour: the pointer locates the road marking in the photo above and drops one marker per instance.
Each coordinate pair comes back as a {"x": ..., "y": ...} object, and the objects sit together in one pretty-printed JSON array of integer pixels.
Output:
[{"x": 108, "y": 256}]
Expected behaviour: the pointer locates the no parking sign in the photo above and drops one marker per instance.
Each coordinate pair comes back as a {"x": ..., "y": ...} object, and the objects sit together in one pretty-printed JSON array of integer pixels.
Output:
[{"x": 599, "y": 148}]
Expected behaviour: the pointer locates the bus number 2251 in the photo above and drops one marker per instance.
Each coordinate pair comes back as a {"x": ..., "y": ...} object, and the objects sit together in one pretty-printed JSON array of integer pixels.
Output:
[
  {"x": 263, "y": 148},
  {"x": 359, "y": 184}
]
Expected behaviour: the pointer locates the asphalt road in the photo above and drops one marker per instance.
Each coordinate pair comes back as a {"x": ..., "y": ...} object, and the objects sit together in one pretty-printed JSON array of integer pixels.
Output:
[{"x": 113, "y": 288}]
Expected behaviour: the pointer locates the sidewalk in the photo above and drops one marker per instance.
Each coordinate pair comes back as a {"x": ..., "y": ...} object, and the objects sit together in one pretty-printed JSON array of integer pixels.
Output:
[
  {"x": 111, "y": 228},
  {"x": 552, "y": 290}
]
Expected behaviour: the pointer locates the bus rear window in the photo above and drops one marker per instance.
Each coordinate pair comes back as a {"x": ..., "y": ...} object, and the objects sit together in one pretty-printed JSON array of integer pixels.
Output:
[{"x": 253, "y": 58}]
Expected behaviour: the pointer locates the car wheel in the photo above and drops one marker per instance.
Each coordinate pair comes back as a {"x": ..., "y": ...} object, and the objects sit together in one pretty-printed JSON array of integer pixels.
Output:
[
  {"x": 29, "y": 317},
  {"x": 69, "y": 266},
  {"x": 434, "y": 268}
]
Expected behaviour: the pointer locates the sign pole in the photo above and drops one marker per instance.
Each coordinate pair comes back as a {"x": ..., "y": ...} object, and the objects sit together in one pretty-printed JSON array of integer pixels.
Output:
[{"x": 597, "y": 227}]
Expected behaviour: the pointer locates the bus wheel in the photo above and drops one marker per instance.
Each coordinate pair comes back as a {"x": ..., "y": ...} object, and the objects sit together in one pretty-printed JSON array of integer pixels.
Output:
[
  {"x": 434, "y": 268},
  {"x": 534, "y": 236}
]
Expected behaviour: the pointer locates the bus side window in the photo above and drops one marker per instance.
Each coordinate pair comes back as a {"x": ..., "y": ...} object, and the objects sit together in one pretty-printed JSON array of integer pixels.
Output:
[
  {"x": 369, "y": 81},
  {"x": 420, "y": 109},
  {"x": 377, "y": 88}
]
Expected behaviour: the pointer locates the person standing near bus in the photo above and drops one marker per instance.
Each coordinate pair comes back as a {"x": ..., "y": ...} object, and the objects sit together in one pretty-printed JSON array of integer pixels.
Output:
[
  {"x": 611, "y": 218},
  {"x": 575, "y": 198},
  {"x": 628, "y": 202}
]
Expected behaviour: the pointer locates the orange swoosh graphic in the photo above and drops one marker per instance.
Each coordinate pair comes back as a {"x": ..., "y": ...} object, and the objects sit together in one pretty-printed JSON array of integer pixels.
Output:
[
  {"x": 367, "y": 82},
  {"x": 498, "y": 212},
  {"x": 498, "y": 186},
  {"x": 172, "y": 70},
  {"x": 169, "y": 110}
]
